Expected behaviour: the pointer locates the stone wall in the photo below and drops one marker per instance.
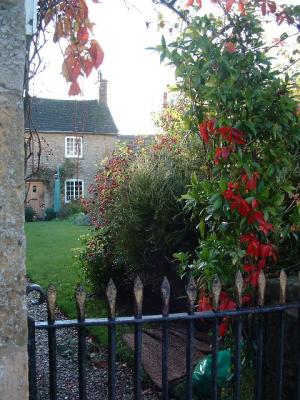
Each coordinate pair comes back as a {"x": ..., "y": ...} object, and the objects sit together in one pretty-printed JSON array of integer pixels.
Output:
[{"x": 13, "y": 316}]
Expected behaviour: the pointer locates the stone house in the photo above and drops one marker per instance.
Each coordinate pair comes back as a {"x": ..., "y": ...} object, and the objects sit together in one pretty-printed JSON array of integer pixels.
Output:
[{"x": 71, "y": 135}]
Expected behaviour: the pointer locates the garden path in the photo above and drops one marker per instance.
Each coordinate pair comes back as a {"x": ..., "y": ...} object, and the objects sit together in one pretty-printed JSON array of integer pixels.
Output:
[{"x": 67, "y": 366}]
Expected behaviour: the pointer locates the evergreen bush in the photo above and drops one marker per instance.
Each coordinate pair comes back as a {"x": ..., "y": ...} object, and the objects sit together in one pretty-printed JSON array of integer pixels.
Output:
[
  {"x": 49, "y": 214},
  {"x": 29, "y": 214},
  {"x": 138, "y": 218}
]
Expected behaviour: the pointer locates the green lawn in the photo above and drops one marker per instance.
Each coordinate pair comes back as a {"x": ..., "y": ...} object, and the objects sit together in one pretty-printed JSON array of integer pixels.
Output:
[{"x": 50, "y": 260}]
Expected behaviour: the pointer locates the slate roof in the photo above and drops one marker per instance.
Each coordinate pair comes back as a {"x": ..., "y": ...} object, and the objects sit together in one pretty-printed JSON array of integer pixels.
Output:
[
  {"x": 51, "y": 115},
  {"x": 130, "y": 139}
]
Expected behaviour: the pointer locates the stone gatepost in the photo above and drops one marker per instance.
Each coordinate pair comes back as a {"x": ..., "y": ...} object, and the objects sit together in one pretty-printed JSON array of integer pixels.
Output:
[{"x": 13, "y": 325}]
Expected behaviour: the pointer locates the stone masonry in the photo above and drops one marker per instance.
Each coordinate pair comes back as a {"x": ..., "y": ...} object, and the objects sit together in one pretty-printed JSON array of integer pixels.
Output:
[
  {"x": 291, "y": 339},
  {"x": 56, "y": 119},
  {"x": 94, "y": 149},
  {"x": 13, "y": 321}
]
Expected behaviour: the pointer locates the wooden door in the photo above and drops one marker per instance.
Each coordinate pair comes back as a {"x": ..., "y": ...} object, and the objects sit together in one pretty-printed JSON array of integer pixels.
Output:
[{"x": 35, "y": 197}]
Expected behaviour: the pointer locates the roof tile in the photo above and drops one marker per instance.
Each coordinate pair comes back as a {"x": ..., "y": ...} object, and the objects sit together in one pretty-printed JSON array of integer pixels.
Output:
[{"x": 52, "y": 115}]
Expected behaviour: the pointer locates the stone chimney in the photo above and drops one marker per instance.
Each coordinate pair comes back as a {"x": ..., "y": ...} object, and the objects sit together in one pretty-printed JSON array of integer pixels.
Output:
[{"x": 102, "y": 89}]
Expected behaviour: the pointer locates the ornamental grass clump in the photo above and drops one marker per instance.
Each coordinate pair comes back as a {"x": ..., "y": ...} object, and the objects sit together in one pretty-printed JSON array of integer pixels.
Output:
[{"x": 138, "y": 219}]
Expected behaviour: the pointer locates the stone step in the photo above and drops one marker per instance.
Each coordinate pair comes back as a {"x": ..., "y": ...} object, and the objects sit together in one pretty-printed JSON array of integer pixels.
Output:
[{"x": 152, "y": 352}]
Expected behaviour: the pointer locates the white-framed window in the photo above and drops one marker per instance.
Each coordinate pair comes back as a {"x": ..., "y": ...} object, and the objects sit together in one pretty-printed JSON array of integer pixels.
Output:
[
  {"x": 74, "y": 189},
  {"x": 73, "y": 146}
]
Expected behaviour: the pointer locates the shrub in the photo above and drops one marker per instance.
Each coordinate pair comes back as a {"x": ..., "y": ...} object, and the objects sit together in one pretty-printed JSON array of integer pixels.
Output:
[
  {"x": 138, "y": 219},
  {"x": 148, "y": 218},
  {"x": 68, "y": 209},
  {"x": 81, "y": 219},
  {"x": 98, "y": 261},
  {"x": 49, "y": 214},
  {"x": 29, "y": 214}
]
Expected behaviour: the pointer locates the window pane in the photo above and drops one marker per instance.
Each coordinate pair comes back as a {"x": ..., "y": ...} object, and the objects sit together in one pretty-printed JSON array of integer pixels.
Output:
[
  {"x": 77, "y": 147},
  {"x": 73, "y": 189},
  {"x": 73, "y": 146}
]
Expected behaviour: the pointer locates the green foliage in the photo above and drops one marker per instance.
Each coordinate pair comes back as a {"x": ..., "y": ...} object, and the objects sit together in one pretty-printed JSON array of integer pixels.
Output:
[
  {"x": 149, "y": 221},
  {"x": 98, "y": 261},
  {"x": 29, "y": 214},
  {"x": 224, "y": 70},
  {"x": 138, "y": 217},
  {"x": 171, "y": 119},
  {"x": 68, "y": 169},
  {"x": 49, "y": 214},
  {"x": 69, "y": 209},
  {"x": 46, "y": 174},
  {"x": 81, "y": 219}
]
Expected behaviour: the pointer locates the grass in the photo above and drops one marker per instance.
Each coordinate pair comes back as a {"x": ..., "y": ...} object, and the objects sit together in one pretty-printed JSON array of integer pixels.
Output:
[{"x": 50, "y": 260}]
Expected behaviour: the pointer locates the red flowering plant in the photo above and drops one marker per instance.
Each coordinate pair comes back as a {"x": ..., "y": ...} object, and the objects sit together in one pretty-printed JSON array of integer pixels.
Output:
[
  {"x": 113, "y": 172},
  {"x": 246, "y": 208}
]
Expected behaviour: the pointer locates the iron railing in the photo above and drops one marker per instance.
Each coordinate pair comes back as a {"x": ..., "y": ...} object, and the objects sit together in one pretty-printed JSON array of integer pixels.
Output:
[{"x": 163, "y": 320}]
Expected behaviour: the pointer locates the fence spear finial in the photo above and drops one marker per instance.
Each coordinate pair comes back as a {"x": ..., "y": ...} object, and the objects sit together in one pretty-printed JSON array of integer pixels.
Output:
[
  {"x": 239, "y": 287},
  {"x": 138, "y": 296},
  {"x": 165, "y": 293},
  {"x": 51, "y": 301},
  {"x": 216, "y": 291},
  {"x": 111, "y": 295},
  {"x": 191, "y": 291},
  {"x": 80, "y": 297},
  {"x": 282, "y": 284},
  {"x": 261, "y": 288}
]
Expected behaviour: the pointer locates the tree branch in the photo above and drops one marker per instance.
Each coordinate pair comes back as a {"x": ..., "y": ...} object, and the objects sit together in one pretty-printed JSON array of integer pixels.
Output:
[{"x": 171, "y": 5}]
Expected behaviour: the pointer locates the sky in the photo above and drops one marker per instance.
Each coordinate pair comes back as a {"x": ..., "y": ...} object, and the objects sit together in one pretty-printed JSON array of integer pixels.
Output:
[{"x": 136, "y": 79}]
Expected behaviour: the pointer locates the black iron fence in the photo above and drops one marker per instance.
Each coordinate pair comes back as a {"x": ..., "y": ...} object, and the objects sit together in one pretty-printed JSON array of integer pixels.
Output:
[{"x": 163, "y": 320}]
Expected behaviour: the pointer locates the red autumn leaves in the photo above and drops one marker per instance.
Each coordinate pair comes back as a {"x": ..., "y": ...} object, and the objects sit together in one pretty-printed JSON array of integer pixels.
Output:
[
  {"x": 226, "y": 303},
  {"x": 228, "y": 5},
  {"x": 206, "y": 129},
  {"x": 241, "y": 196},
  {"x": 258, "y": 254},
  {"x": 266, "y": 6},
  {"x": 230, "y": 47},
  {"x": 103, "y": 191},
  {"x": 79, "y": 62},
  {"x": 233, "y": 136},
  {"x": 191, "y": 3},
  {"x": 250, "y": 181},
  {"x": 83, "y": 53},
  {"x": 234, "y": 194}
]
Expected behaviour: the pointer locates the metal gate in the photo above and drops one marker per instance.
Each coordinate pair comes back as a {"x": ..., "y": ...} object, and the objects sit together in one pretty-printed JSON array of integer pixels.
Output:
[{"x": 239, "y": 318}]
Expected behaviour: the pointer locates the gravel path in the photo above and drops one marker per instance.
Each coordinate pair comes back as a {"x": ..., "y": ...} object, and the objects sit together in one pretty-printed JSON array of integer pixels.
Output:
[{"x": 67, "y": 366}]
